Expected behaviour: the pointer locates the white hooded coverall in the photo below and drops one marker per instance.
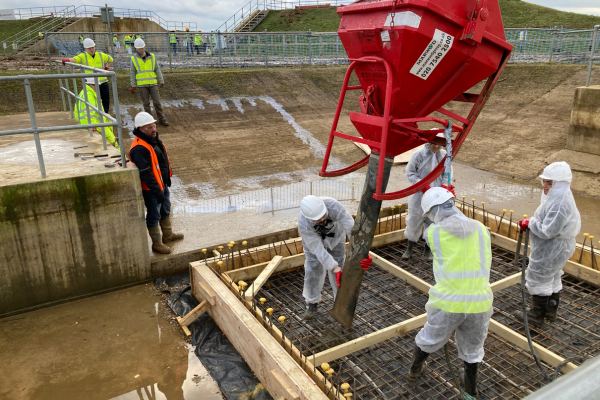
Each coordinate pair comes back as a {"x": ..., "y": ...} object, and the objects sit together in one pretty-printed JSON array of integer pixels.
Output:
[
  {"x": 420, "y": 165},
  {"x": 553, "y": 228},
  {"x": 323, "y": 254}
]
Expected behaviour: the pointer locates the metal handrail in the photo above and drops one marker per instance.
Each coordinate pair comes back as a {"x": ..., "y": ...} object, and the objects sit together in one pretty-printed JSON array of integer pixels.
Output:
[
  {"x": 95, "y": 73},
  {"x": 592, "y": 56},
  {"x": 41, "y": 12}
]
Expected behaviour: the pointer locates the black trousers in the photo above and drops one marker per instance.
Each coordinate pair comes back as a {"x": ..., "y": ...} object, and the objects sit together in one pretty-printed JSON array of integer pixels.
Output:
[{"x": 105, "y": 96}]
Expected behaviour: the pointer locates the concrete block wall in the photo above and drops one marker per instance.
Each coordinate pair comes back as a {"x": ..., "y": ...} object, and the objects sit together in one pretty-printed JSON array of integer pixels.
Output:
[
  {"x": 584, "y": 131},
  {"x": 65, "y": 238}
]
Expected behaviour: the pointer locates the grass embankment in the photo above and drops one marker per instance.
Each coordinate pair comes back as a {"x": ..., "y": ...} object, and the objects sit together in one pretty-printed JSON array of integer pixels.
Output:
[
  {"x": 9, "y": 28},
  {"x": 515, "y": 14}
]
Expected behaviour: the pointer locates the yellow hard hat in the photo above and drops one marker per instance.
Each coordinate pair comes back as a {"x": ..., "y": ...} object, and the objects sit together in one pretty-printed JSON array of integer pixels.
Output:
[{"x": 187, "y": 29}]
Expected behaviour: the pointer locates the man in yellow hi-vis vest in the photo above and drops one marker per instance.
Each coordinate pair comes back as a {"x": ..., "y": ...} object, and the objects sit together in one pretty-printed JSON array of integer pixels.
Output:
[
  {"x": 198, "y": 41},
  {"x": 81, "y": 112},
  {"x": 145, "y": 74},
  {"x": 461, "y": 299},
  {"x": 95, "y": 59}
]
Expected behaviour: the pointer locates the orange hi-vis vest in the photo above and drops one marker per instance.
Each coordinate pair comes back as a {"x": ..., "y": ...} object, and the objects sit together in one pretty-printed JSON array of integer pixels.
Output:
[{"x": 155, "y": 167}]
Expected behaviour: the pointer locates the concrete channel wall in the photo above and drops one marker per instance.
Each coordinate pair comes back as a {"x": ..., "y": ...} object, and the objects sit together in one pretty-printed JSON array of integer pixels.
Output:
[
  {"x": 584, "y": 131},
  {"x": 65, "y": 238}
]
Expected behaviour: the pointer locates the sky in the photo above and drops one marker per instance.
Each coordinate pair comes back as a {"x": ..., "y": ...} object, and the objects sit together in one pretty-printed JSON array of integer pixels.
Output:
[{"x": 210, "y": 14}]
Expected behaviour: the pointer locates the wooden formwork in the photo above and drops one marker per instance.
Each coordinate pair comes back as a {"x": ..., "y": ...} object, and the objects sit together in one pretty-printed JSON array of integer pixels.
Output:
[{"x": 280, "y": 366}]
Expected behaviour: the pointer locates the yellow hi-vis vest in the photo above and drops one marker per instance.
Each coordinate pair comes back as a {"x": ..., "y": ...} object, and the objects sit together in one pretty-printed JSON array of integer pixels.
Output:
[
  {"x": 462, "y": 271},
  {"x": 198, "y": 39},
  {"x": 144, "y": 70},
  {"x": 172, "y": 38},
  {"x": 98, "y": 61},
  {"x": 82, "y": 117}
]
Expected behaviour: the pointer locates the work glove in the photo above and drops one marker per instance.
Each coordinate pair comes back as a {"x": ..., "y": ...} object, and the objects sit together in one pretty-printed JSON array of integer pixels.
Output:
[
  {"x": 106, "y": 68},
  {"x": 426, "y": 188},
  {"x": 365, "y": 263},
  {"x": 132, "y": 89},
  {"x": 449, "y": 188},
  {"x": 338, "y": 275},
  {"x": 64, "y": 60},
  {"x": 524, "y": 224},
  {"x": 162, "y": 84},
  {"x": 160, "y": 197}
]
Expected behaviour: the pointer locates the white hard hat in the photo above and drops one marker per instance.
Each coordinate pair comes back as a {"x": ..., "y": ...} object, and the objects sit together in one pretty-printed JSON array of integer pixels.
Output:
[
  {"x": 139, "y": 44},
  {"x": 87, "y": 43},
  {"x": 90, "y": 81},
  {"x": 435, "y": 196},
  {"x": 557, "y": 171},
  {"x": 312, "y": 207},
  {"x": 142, "y": 119}
]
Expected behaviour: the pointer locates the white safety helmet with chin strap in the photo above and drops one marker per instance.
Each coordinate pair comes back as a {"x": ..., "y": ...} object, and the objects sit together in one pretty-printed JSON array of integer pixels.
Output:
[
  {"x": 90, "y": 81},
  {"x": 87, "y": 43},
  {"x": 143, "y": 118},
  {"x": 557, "y": 172},
  {"x": 435, "y": 196},
  {"x": 313, "y": 208},
  {"x": 139, "y": 43}
]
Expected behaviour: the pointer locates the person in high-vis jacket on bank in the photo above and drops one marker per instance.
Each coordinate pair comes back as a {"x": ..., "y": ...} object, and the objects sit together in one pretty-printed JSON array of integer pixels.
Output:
[
  {"x": 81, "y": 112},
  {"x": 145, "y": 75},
  {"x": 150, "y": 156},
  {"x": 461, "y": 299}
]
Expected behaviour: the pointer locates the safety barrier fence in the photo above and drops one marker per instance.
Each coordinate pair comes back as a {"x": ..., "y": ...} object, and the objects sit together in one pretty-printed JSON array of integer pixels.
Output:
[
  {"x": 276, "y": 198},
  {"x": 176, "y": 50},
  {"x": 594, "y": 52},
  {"x": 73, "y": 99}
]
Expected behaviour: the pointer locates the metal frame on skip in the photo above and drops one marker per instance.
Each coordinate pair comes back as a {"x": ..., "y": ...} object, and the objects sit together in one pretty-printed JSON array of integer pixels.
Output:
[
  {"x": 68, "y": 72},
  {"x": 283, "y": 368}
]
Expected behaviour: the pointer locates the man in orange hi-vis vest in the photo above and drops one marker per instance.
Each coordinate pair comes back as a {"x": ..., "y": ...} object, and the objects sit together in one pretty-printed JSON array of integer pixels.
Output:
[{"x": 150, "y": 156}]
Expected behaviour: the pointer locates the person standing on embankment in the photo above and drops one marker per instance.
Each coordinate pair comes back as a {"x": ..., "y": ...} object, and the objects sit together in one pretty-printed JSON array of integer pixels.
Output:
[{"x": 150, "y": 156}]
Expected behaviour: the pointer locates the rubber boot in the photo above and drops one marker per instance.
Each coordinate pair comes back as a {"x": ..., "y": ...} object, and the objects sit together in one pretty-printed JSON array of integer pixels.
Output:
[
  {"x": 164, "y": 122},
  {"x": 537, "y": 312},
  {"x": 468, "y": 378},
  {"x": 418, "y": 364},
  {"x": 427, "y": 253},
  {"x": 552, "y": 307},
  {"x": 409, "y": 250},
  {"x": 167, "y": 231},
  {"x": 157, "y": 244},
  {"x": 311, "y": 311}
]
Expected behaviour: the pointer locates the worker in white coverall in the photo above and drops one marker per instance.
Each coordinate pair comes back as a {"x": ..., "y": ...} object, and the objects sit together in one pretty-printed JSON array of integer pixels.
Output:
[
  {"x": 323, "y": 224},
  {"x": 420, "y": 165},
  {"x": 552, "y": 228},
  {"x": 461, "y": 298}
]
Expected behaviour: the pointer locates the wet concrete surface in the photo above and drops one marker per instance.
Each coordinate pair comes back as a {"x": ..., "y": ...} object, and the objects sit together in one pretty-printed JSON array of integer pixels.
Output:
[
  {"x": 119, "y": 345},
  {"x": 208, "y": 221}
]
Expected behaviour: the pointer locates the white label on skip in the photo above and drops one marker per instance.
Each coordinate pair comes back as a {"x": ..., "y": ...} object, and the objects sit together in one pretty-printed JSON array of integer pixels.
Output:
[
  {"x": 435, "y": 52},
  {"x": 404, "y": 18},
  {"x": 385, "y": 36}
]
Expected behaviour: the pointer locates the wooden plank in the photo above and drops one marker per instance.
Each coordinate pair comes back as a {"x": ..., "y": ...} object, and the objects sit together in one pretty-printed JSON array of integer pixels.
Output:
[
  {"x": 184, "y": 327},
  {"x": 205, "y": 292},
  {"x": 521, "y": 341},
  {"x": 262, "y": 278},
  {"x": 261, "y": 351},
  {"x": 368, "y": 340},
  {"x": 285, "y": 387},
  {"x": 400, "y": 273},
  {"x": 194, "y": 314},
  {"x": 506, "y": 282},
  {"x": 579, "y": 271}
]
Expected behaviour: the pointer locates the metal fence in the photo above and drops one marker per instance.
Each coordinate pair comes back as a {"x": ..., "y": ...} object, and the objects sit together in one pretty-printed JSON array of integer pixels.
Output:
[
  {"x": 72, "y": 98},
  {"x": 594, "y": 51},
  {"x": 270, "y": 49}
]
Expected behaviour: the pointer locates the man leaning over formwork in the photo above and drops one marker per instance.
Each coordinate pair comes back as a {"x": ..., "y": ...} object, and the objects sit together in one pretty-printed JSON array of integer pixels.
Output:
[
  {"x": 461, "y": 298},
  {"x": 95, "y": 59},
  {"x": 323, "y": 224},
  {"x": 420, "y": 165},
  {"x": 145, "y": 74},
  {"x": 553, "y": 228},
  {"x": 81, "y": 112},
  {"x": 150, "y": 156}
]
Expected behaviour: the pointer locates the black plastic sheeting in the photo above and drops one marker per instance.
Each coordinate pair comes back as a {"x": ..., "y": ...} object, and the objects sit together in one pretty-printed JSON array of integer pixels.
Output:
[{"x": 226, "y": 366}]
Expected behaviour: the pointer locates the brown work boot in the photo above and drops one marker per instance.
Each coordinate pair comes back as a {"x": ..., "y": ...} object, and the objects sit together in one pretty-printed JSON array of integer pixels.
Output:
[
  {"x": 157, "y": 244},
  {"x": 167, "y": 231},
  {"x": 164, "y": 122}
]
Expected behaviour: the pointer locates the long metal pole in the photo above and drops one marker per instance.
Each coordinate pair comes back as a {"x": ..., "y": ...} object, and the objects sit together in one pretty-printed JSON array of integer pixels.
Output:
[
  {"x": 592, "y": 53},
  {"x": 48, "y": 51},
  {"x": 553, "y": 44},
  {"x": 67, "y": 85},
  {"x": 85, "y": 97},
  {"x": 36, "y": 135},
  {"x": 117, "y": 107},
  {"x": 102, "y": 129},
  {"x": 220, "y": 49},
  {"x": 60, "y": 85}
]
